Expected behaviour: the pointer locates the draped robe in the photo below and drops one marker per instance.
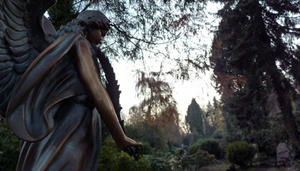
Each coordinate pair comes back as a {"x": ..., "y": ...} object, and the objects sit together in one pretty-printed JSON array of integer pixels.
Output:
[{"x": 50, "y": 109}]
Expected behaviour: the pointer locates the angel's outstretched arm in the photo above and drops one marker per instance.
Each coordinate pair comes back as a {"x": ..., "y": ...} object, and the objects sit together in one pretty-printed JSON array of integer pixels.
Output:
[{"x": 88, "y": 73}]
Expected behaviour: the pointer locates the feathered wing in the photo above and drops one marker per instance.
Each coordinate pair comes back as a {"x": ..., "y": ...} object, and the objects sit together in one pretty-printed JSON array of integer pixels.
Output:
[{"x": 22, "y": 38}]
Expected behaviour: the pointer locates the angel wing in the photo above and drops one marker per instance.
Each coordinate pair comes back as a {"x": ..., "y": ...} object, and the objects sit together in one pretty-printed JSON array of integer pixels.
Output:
[{"x": 23, "y": 35}]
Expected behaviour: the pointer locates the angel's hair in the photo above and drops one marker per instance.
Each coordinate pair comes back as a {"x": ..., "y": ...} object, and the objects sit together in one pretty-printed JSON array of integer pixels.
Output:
[{"x": 86, "y": 20}]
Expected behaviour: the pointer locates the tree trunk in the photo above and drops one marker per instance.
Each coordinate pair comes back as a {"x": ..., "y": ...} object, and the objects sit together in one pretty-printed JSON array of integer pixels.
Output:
[{"x": 283, "y": 92}]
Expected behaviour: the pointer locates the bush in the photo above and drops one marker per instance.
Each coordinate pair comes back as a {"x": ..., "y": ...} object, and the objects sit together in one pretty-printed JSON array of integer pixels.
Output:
[
  {"x": 166, "y": 161},
  {"x": 194, "y": 148},
  {"x": 268, "y": 139},
  {"x": 147, "y": 149},
  {"x": 219, "y": 134},
  {"x": 9, "y": 148},
  {"x": 198, "y": 159},
  {"x": 111, "y": 158},
  {"x": 160, "y": 162},
  {"x": 240, "y": 153},
  {"x": 212, "y": 147}
]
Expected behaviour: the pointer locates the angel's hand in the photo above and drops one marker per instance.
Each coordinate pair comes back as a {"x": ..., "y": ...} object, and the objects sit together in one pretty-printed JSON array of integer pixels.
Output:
[{"x": 132, "y": 147}]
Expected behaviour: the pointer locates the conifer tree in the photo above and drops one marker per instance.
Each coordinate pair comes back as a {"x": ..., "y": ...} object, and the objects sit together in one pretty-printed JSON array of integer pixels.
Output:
[
  {"x": 257, "y": 43},
  {"x": 195, "y": 118}
]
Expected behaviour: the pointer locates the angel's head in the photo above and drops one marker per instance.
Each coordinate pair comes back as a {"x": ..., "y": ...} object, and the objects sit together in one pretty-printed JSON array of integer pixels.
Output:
[{"x": 95, "y": 25}]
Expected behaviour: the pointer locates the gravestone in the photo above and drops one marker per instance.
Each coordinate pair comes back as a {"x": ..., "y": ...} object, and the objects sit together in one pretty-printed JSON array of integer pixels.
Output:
[{"x": 283, "y": 154}]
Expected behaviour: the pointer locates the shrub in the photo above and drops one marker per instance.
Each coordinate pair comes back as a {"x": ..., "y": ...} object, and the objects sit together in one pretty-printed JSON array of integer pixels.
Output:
[
  {"x": 212, "y": 147},
  {"x": 9, "y": 148},
  {"x": 166, "y": 161},
  {"x": 219, "y": 134},
  {"x": 111, "y": 158},
  {"x": 240, "y": 153},
  {"x": 147, "y": 149},
  {"x": 160, "y": 162},
  {"x": 198, "y": 159},
  {"x": 268, "y": 139},
  {"x": 194, "y": 148}
]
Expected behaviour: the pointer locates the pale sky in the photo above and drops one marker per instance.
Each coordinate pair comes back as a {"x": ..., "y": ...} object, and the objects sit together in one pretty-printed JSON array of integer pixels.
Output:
[{"x": 200, "y": 88}]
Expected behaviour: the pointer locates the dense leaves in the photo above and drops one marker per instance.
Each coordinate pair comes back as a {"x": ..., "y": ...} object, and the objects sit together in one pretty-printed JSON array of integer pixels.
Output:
[
  {"x": 114, "y": 159},
  {"x": 240, "y": 153},
  {"x": 62, "y": 13},
  {"x": 195, "y": 118},
  {"x": 197, "y": 158},
  {"x": 255, "y": 46},
  {"x": 212, "y": 147},
  {"x": 157, "y": 113},
  {"x": 160, "y": 30},
  {"x": 9, "y": 148}
]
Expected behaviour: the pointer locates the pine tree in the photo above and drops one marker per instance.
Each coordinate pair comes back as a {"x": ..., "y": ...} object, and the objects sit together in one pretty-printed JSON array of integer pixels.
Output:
[
  {"x": 195, "y": 118},
  {"x": 257, "y": 43}
]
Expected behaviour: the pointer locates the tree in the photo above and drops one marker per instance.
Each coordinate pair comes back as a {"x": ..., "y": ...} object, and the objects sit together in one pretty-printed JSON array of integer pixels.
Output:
[
  {"x": 62, "y": 12},
  {"x": 149, "y": 29},
  {"x": 257, "y": 43},
  {"x": 219, "y": 122},
  {"x": 195, "y": 118},
  {"x": 214, "y": 119},
  {"x": 157, "y": 113},
  {"x": 141, "y": 29}
]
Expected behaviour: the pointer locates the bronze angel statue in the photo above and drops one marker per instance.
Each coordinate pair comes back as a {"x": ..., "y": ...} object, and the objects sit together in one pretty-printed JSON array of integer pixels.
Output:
[{"x": 49, "y": 85}]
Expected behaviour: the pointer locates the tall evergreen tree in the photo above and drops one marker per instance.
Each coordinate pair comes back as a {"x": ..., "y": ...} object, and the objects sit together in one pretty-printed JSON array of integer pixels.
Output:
[
  {"x": 257, "y": 42},
  {"x": 195, "y": 118}
]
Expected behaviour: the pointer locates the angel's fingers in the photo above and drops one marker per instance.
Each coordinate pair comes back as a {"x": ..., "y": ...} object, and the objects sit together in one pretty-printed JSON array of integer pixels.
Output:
[
  {"x": 130, "y": 151},
  {"x": 139, "y": 149}
]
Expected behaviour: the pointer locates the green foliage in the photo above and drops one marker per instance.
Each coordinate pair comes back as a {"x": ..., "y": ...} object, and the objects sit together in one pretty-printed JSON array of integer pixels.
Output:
[
  {"x": 197, "y": 158},
  {"x": 180, "y": 160},
  {"x": 9, "y": 148},
  {"x": 219, "y": 134},
  {"x": 62, "y": 12},
  {"x": 195, "y": 118},
  {"x": 268, "y": 139},
  {"x": 194, "y": 148},
  {"x": 160, "y": 162},
  {"x": 258, "y": 52},
  {"x": 147, "y": 149},
  {"x": 112, "y": 159},
  {"x": 138, "y": 26},
  {"x": 240, "y": 153},
  {"x": 151, "y": 134},
  {"x": 212, "y": 147},
  {"x": 166, "y": 161}
]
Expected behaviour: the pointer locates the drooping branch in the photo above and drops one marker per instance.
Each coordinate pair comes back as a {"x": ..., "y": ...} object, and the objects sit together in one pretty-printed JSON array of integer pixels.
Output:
[{"x": 112, "y": 86}]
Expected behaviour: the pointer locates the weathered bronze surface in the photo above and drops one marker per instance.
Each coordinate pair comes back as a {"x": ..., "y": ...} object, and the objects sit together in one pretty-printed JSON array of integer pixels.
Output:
[{"x": 49, "y": 85}]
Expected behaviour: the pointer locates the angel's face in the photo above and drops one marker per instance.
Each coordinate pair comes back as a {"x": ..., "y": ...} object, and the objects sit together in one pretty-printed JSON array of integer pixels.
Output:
[{"x": 95, "y": 36}]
